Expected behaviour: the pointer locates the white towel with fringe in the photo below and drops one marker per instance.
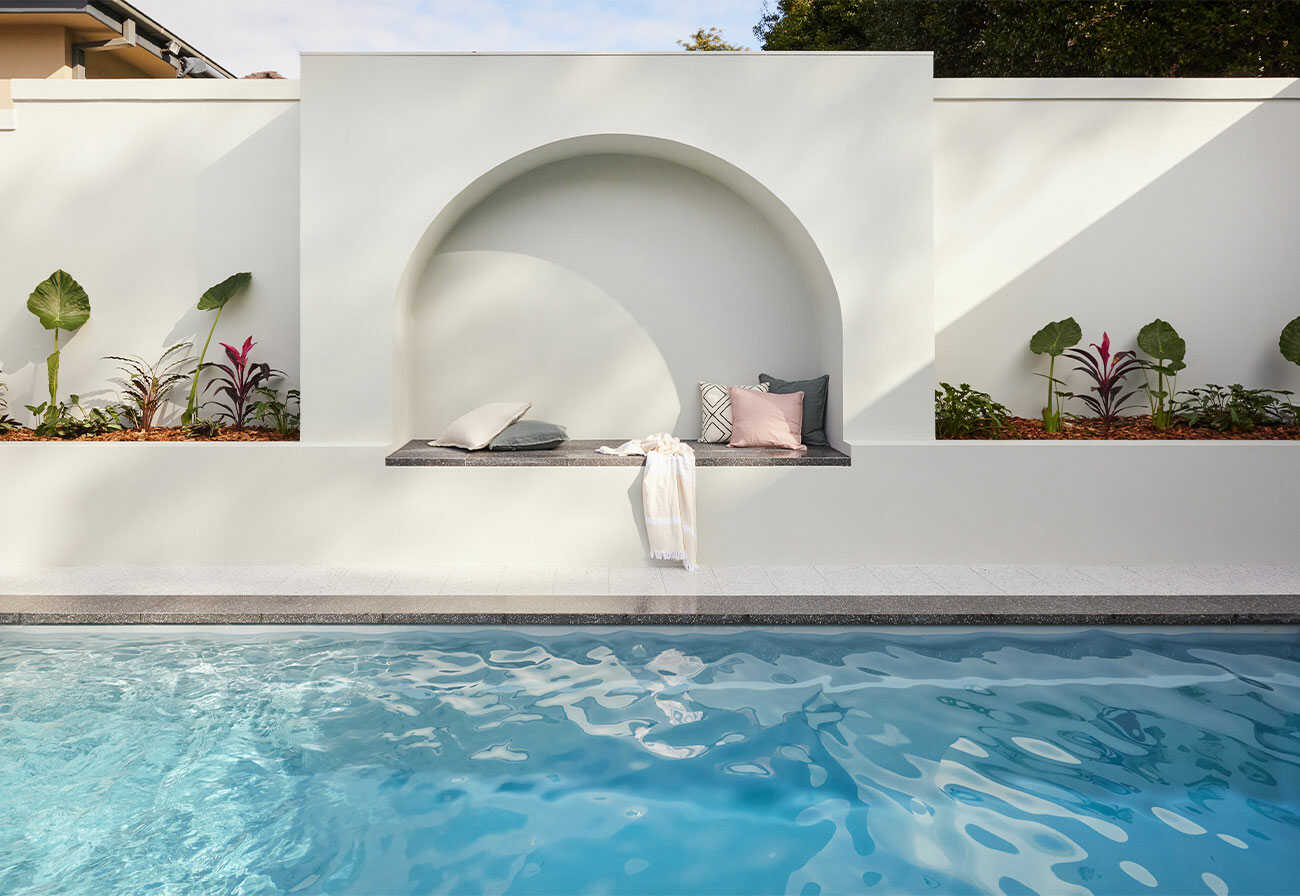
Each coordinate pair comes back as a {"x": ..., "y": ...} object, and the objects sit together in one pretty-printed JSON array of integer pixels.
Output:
[{"x": 667, "y": 495}]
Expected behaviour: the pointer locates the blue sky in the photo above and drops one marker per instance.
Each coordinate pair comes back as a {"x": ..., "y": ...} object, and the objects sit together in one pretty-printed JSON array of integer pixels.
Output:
[{"x": 249, "y": 35}]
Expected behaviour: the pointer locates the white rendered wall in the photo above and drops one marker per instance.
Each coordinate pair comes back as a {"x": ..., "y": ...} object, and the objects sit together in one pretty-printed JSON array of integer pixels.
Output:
[
  {"x": 396, "y": 154},
  {"x": 123, "y": 505},
  {"x": 147, "y": 192},
  {"x": 602, "y": 289},
  {"x": 392, "y": 145},
  {"x": 1116, "y": 202}
]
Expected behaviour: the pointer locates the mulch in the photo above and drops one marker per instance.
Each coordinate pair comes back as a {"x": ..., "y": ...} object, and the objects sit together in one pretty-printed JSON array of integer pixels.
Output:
[
  {"x": 1136, "y": 428},
  {"x": 157, "y": 434}
]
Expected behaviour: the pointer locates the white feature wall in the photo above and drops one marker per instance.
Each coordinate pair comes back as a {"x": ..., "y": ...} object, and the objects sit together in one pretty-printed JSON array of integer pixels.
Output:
[
  {"x": 396, "y": 149},
  {"x": 602, "y": 288},
  {"x": 1115, "y": 202},
  {"x": 147, "y": 192}
]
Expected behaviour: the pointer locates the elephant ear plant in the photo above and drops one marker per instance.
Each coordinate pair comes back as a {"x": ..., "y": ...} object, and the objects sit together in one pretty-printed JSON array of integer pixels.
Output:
[
  {"x": 59, "y": 303},
  {"x": 1289, "y": 342},
  {"x": 1161, "y": 341},
  {"x": 1052, "y": 340},
  {"x": 214, "y": 299}
]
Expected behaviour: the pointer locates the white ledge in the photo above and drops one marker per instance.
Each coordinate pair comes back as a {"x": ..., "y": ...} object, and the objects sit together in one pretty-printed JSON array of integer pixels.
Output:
[
  {"x": 32, "y": 90},
  {"x": 1185, "y": 89}
]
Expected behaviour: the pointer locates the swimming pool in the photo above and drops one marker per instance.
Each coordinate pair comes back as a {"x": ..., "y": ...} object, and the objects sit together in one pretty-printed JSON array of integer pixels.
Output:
[{"x": 649, "y": 760}]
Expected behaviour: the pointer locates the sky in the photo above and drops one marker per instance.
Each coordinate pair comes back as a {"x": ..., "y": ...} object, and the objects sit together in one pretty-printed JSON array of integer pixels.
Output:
[{"x": 254, "y": 35}]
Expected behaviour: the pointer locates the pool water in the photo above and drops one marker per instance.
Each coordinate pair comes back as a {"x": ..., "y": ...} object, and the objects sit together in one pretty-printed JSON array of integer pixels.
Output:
[{"x": 635, "y": 760}]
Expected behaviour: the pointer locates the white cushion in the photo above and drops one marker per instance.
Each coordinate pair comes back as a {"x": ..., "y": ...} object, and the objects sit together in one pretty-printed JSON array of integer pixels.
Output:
[
  {"x": 715, "y": 411},
  {"x": 481, "y": 425}
]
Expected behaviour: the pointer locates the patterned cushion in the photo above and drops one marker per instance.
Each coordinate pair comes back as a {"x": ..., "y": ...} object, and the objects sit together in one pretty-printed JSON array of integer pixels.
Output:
[{"x": 715, "y": 411}]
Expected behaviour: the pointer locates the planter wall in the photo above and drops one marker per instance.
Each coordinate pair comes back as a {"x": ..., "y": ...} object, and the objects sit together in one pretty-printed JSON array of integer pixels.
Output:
[
  {"x": 116, "y": 505},
  {"x": 1115, "y": 201},
  {"x": 147, "y": 192}
]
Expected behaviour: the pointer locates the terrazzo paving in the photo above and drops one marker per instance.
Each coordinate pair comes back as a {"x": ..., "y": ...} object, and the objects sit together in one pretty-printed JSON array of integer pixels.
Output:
[{"x": 842, "y": 594}]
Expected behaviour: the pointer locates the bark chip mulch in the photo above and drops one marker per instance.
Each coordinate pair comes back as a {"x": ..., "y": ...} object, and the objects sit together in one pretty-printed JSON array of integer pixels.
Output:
[
  {"x": 157, "y": 434},
  {"x": 1137, "y": 428}
]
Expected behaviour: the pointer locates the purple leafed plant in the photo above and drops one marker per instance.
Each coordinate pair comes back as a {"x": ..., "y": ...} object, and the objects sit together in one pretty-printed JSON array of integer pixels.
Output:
[
  {"x": 1108, "y": 372},
  {"x": 239, "y": 383}
]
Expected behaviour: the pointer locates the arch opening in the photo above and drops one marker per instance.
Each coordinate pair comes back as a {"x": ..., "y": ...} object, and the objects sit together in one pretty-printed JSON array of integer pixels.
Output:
[{"x": 601, "y": 278}]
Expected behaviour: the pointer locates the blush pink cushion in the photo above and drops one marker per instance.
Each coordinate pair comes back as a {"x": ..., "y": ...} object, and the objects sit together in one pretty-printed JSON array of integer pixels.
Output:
[{"x": 764, "y": 420}]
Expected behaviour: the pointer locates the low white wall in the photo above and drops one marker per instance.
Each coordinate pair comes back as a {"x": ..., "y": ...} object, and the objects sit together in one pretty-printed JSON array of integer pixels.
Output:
[
  {"x": 1116, "y": 202},
  {"x": 147, "y": 192},
  {"x": 125, "y": 505},
  {"x": 603, "y": 289}
]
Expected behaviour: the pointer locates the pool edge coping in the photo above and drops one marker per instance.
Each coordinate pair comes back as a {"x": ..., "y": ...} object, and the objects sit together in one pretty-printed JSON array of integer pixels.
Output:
[{"x": 648, "y": 609}]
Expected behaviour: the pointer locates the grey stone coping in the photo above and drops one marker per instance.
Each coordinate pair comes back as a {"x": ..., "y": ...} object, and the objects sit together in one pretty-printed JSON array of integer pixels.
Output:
[
  {"x": 1271, "y": 609},
  {"x": 582, "y": 453}
]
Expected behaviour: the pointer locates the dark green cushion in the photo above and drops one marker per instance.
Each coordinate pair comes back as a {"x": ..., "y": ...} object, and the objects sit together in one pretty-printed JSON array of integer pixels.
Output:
[
  {"x": 529, "y": 435},
  {"x": 814, "y": 403}
]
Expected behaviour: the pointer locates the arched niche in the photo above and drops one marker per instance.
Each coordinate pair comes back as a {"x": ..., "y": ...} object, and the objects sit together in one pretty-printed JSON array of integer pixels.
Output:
[{"x": 600, "y": 278}]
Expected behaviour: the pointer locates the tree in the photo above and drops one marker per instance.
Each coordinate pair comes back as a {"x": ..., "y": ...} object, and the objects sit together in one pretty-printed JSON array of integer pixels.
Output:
[
  {"x": 1054, "y": 38},
  {"x": 708, "y": 40}
]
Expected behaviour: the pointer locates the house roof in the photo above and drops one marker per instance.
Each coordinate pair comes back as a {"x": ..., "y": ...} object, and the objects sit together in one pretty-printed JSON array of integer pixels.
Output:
[{"x": 156, "y": 48}]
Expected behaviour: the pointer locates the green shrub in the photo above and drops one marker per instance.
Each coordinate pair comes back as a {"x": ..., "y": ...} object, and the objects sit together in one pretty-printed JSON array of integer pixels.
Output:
[
  {"x": 271, "y": 411},
  {"x": 961, "y": 412},
  {"x": 1235, "y": 408},
  {"x": 201, "y": 428},
  {"x": 6, "y": 422},
  {"x": 70, "y": 420}
]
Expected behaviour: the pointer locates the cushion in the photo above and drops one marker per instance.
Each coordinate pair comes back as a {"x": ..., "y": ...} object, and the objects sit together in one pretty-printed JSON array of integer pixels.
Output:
[
  {"x": 529, "y": 435},
  {"x": 481, "y": 425},
  {"x": 715, "y": 411},
  {"x": 814, "y": 403},
  {"x": 760, "y": 420}
]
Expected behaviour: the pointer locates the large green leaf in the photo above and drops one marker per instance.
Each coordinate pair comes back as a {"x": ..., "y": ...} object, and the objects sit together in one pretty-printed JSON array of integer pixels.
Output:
[
  {"x": 1056, "y": 337},
  {"x": 60, "y": 303},
  {"x": 223, "y": 292},
  {"x": 1160, "y": 340},
  {"x": 1290, "y": 341}
]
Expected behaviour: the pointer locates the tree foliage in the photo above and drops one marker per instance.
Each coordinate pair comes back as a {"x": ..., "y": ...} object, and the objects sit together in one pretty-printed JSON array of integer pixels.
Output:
[
  {"x": 708, "y": 40},
  {"x": 1054, "y": 38}
]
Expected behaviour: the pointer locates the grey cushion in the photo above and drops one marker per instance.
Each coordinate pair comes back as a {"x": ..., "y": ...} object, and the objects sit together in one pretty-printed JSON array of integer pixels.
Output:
[
  {"x": 814, "y": 403},
  {"x": 529, "y": 435}
]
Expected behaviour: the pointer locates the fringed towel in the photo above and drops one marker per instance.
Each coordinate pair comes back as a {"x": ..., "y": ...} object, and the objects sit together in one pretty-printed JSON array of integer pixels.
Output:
[{"x": 667, "y": 495}]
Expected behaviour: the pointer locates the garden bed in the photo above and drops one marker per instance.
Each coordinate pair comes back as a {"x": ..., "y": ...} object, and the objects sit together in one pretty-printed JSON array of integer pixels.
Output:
[
  {"x": 157, "y": 434},
  {"x": 1138, "y": 428}
]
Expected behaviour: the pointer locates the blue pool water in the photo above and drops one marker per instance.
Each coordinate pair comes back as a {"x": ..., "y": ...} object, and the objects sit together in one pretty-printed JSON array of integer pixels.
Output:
[{"x": 664, "y": 761}]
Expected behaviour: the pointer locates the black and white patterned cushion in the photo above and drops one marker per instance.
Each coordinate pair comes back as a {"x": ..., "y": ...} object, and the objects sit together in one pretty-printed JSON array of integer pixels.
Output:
[{"x": 715, "y": 411}]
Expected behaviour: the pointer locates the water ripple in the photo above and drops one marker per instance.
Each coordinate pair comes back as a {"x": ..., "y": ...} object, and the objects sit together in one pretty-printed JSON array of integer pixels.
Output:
[{"x": 661, "y": 761}]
